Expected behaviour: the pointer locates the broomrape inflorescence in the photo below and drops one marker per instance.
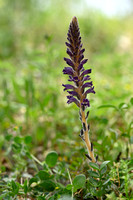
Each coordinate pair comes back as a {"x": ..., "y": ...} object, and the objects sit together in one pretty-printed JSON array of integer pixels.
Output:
[{"x": 81, "y": 85}]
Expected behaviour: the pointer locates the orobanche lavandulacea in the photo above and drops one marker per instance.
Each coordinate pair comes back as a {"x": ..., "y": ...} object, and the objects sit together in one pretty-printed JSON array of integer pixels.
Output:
[{"x": 81, "y": 85}]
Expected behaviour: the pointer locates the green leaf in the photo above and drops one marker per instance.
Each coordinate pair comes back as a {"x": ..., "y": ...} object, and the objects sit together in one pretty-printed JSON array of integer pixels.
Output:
[
  {"x": 93, "y": 182},
  {"x": 94, "y": 165},
  {"x": 40, "y": 198},
  {"x": 17, "y": 139},
  {"x": 123, "y": 106},
  {"x": 3, "y": 196},
  {"x": 79, "y": 181},
  {"x": 15, "y": 187},
  {"x": 51, "y": 198},
  {"x": 106, "y": 181},
  {"x": 69, "y": 187},
  {"x": 8, "y": 137},
  {"x": 108, "y": 106},
  {"x": 48, "y": 185},
  {"x": 43, "y": 175},
  {"x": 25, "y": 187},
  {"x": 28, "y": 139},
  {"x": 33, "y": 180},
  {"x": 131, "y": 100},
  {"x": 103, "y": 164},
  {"x": 93, "y": 174},
  {"x": 103, "y": 170},
  {"x": 51, "y": 158}
]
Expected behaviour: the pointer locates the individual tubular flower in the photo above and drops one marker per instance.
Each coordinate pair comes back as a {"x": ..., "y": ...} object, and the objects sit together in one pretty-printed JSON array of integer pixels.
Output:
[{"x": 81, "y": 85}]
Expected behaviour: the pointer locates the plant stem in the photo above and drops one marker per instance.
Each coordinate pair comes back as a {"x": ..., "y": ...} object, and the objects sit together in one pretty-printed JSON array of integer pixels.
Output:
[
  {"x": 70, "y": 181},
  {"x": 87, "y": 140},
  {"x": 38, "y": 161}
]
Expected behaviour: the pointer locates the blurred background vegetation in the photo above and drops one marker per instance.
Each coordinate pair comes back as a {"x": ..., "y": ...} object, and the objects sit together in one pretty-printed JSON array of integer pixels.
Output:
[{"x": 32, "y": 47}]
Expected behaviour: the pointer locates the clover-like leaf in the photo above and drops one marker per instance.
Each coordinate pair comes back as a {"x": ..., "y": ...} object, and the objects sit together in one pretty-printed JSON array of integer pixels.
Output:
[
  {"x": 47, "y": 185},
  {"x": 43, "y": 175},
  {"x": 51, "y": 158},
  {"x": 79, "y": 181}
]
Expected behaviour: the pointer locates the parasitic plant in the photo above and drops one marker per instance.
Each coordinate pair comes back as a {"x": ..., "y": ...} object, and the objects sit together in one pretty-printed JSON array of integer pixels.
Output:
[{"x": 81, "y": 82}]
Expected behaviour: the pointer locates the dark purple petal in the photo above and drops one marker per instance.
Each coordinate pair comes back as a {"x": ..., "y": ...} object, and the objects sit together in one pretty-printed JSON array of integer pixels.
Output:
[
  {"x": 69, "y": 52},
  {"x": 75, "y": 78},
  {"x": 88, "y": 84},
  {"x": 68, "y": 86},
  {"x": 80, "y": 58},
  {"x": 68, "y": 70},
  {"x": 68, "y": 35},
  {"x": 82, "y": 51},
  {"x": 84, "y": 61},
  {"x": 80, "y": 67},
  {"x": 85, "y": 102},
  {"x": 69, "y": 39},
  {"x": 78, "y": 33},
  {"x": 72, "y": 99},
  {"x": 69, "y": 62},
  {"x": 90, "y": 90},
  {"x": 73, "y": 93},
  {"x": 81, "y": 45},
  {"x": 70, "y": 78},
  {"x": 69, "y": 97},
  {"x": 86, "y": 78},
  {"x": 88, "y": 71},
  {"x": 68, "y": 45}
]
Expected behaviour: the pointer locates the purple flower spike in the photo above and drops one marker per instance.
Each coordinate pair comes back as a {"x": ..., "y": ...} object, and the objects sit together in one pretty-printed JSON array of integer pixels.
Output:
[{"x": 77, "y": 74}]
